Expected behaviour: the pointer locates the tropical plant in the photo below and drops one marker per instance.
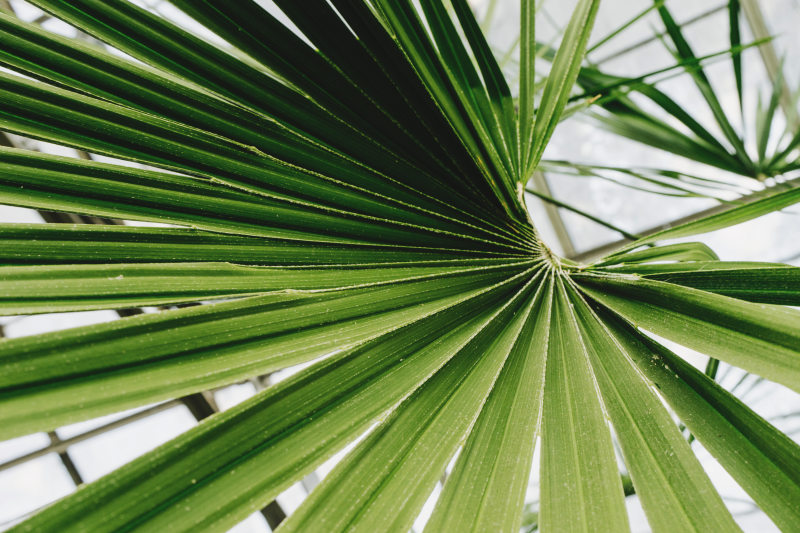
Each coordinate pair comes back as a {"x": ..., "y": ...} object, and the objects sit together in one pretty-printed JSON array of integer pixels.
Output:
[
  {"x": 764, "y": 147},
  {"x": 353, "y": 197}
]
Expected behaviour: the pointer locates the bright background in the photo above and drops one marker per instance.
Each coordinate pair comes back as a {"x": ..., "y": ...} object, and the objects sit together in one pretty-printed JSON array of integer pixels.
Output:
[{"x": 33, "y": 474}]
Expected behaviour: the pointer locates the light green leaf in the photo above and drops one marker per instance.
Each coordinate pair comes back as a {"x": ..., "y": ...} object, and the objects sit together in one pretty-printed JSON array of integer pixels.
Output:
[
  {"x": 563, "y": 74},
  {"x": 755, "y": 282},
  {"x": 75, "y": 374},
  {"x": 62, "y": 288},
  {"x": 760, "y": 338},
  {"x": 486, "y": 489},
  {"x": 527, "y": 78},
  {"x": 670, "y": 482},
  {"x": 580, "y": 484},
  {"x": 682, "y": 251},
  {"x": 235, "y": 462},
  {"x": 764, "y": 203},
  {"x": 405, "y": 455},
  {"x": 764, "y": 461},
  {"x": 71, "y": 243}
]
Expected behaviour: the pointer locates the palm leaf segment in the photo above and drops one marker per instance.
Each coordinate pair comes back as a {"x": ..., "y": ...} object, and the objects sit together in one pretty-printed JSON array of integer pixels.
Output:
[{"x": 359, "y": 198}]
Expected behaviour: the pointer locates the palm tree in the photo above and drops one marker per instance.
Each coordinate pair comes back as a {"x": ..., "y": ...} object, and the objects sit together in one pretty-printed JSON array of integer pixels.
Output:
[{"x": 350, "y": 195}]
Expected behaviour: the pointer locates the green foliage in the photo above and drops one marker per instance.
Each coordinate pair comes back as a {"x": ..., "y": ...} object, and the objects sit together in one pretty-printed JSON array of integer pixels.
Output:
[
  {"x": 775, "y": 153},
  {"x": 356, "y": 204}
]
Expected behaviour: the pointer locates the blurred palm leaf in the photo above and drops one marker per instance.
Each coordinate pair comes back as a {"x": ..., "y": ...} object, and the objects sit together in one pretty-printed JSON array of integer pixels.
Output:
[
  {"x": 759, "y": 151},
  {"x": 357, "y": 203}
]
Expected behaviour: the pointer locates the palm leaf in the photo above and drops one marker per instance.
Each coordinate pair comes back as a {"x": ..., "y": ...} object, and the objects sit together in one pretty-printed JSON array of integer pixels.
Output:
[
  {"x": 729, "y": 151},
  {"x": 349, "y": 197}
]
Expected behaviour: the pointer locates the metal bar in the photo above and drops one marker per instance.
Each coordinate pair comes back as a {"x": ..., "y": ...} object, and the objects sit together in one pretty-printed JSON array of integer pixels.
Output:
[
  {"x": 5, "y": 5},
  {"x": 607, "y": 248},
  {"x": 539, "y": 183},
  {"x": 273, "y": 514},
  {"x": 201, "y": 405},
  {"x": 5, "y": 140},
  {"x": 66, "y": 460},
  {"x": 58, "y": 447}
]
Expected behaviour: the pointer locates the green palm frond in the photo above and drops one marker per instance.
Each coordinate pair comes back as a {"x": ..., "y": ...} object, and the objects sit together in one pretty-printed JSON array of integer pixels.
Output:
[
  {"x": 774, "y": 154},
  {"x": 352, "y": 198}
]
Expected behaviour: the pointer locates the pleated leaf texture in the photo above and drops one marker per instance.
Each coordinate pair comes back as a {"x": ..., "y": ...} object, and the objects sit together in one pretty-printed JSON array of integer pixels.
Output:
[{"x": 353, "y": 199}]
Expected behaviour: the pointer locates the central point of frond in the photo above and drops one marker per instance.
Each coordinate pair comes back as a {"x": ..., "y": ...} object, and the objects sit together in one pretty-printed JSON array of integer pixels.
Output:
[
  {"x": 549, "y": 257},
  {"x": 552, "y": 260}
]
